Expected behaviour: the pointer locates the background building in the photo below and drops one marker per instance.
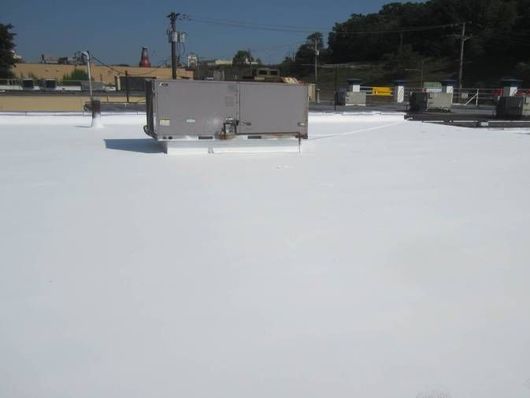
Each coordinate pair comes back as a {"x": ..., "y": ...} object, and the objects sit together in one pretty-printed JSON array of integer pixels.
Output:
[{"x": 104, "y": 74}]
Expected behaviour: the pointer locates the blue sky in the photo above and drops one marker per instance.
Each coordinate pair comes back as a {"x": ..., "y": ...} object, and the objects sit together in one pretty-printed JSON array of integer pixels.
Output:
[{"x": 115, "y": 30}]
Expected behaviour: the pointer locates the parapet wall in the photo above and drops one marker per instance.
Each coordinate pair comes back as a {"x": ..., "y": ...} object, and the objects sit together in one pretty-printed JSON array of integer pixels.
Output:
[{"x": 57, "y": 103}]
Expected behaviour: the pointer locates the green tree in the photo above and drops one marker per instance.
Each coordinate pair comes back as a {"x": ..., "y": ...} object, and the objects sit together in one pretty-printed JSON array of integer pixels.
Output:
[
  {"x": 242, "y": 57},
  {"x": 398, "y": 62},
  {"x": 287, "y": 66},
  {"x": 523, "y": 72},
  {"x": 304, "y": 59},
  {"x": 7, "y": 47},
  {"x": 306, "y": 52},
  {"x": 498, "y": 33}
]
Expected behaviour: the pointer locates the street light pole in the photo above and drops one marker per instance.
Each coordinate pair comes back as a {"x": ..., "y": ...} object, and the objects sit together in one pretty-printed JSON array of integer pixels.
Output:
[
  {"x": 95, "y": 105},
  {"x": 86, "y": 54}
]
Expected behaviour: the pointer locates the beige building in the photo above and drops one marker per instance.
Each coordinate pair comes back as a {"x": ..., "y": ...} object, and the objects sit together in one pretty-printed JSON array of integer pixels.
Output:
[
  {"x": 46, "y": 101},
  {"x": 99, "y": 73}
]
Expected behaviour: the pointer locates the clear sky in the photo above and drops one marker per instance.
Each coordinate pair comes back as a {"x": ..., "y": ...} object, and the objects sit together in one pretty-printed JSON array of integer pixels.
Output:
[{"x": 115, "y": 30}]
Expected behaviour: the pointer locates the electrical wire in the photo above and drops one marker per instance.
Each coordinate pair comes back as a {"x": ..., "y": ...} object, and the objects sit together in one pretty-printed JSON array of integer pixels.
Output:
[
  {"x": 297, "y": 29},
  {"x": 276, "y": 47},
  {"x": 252, "y": 25},
  {"x": 122, "y": 73},
  {"x": 104, "y": 64}
]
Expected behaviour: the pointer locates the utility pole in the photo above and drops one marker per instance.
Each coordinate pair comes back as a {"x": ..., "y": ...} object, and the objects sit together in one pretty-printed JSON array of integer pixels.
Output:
[
  {"x": 336, "y": 93},
  {"x": 317, "y": 52},
  {"x": 172, "y": 37},
  {"x": 422, "y": 70},
  {"x": 175, "y": 38},
  {"x": 463, "y": 40}
]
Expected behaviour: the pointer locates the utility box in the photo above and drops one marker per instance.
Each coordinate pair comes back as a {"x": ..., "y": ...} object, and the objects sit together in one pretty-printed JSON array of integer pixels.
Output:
[
  {"x": 48, "y": 85},
  {"x": 96, "y": 86},
  {"x": 423, "y": 102},
  {"x": 355, "y": 98},
  {"x": 179, "y": 110},
  {"x": 513, "y": 107},
  {"x": 28, "y": 84},
  {"x": 440, "y": 101},
  {"x": 418, "y": 102},
  {"x": 351, "y": 98},
  {"x": 526, "y": 106}
]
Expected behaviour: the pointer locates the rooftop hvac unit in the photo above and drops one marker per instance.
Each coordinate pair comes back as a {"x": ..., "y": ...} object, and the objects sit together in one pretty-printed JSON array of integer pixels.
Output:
[
  {"x": 28, "y": 84},
  {"x": 513, "y": 107},
  {"x": 218, "y": 116},
  {"x": 352, "y": 96},
  {"x": 355, "y": 98},
  {"x": 96, "y": 86},
  {"x": 133, "y": 83},
  {"x": 433, "y": 101},
  {"x": 49, "y": 84}
]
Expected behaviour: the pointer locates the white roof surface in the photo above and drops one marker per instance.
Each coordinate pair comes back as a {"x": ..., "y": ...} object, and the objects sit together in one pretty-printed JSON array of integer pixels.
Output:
[{"x": 389, "y": 259}]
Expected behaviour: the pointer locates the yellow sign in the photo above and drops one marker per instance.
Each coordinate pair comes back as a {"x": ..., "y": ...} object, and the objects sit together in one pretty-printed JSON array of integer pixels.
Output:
[{"x": 382, "y": 91}]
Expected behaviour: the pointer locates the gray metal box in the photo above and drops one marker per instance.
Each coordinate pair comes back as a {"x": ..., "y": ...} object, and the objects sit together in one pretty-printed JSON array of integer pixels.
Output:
[
  {"x": 351, "y": 98},
  {"x": 357, "y": 98},
  {"x": 439, "y": 101},
  {"x": 198, "y": 109},
  {"x": 423, "y": 101},
  {"x": 513, "y": 107},
  {"x": 526, "y": 106},
  {"x": 418, "y": 102}
]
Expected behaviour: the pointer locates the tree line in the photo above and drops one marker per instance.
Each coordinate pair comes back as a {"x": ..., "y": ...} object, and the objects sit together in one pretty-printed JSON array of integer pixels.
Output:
[
  {"x": 7, "y": 47},
  {"x": 400, "y": 36}
]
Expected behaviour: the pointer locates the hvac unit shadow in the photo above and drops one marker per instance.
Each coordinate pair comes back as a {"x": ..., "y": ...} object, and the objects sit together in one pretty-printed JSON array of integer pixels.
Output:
[{"x": 141, "y": 145}]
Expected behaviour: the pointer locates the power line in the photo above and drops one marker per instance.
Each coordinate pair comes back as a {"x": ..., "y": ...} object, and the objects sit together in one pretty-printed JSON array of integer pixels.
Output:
[
  {"x": 255, "y": 26},
  {"x": 104, "y": 64},
  {"x": 298, "y": 29},
  {"x": 120, "y": 72},
  {"x": 278, "y": 46}
]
